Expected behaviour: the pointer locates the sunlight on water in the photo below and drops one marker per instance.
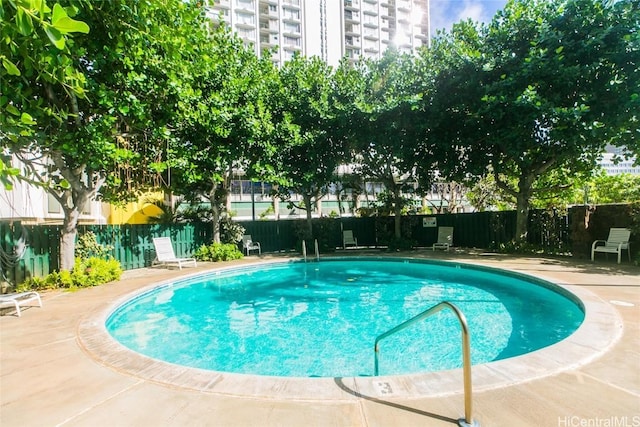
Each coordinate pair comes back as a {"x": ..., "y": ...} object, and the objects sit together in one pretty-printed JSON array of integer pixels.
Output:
[{"x": 321, "y": 319}]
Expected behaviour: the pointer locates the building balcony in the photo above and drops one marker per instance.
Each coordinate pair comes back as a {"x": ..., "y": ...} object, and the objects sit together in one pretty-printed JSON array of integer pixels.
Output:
[
  {"x": 247, "y": 6},
  {"x": 292, "y": 3},
  {"x": 351, "y": 17},
  {"x": 245, "y": 26},
  {"x": 292, "y": 34},
  {"x": 352, "y": 29},
  {"x": 352, "y": 4},
  {"x": 404, "y": 6},
  {"x": 292, "y": 48},
  {"x": 267, "y": 12},
  {"x": 269, "y": 42},
  {"x": 269, "y": 28}
]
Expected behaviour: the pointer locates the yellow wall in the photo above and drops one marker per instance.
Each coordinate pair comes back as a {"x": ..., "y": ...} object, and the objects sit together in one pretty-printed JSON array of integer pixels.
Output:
[{"x": 135, "y": 212}]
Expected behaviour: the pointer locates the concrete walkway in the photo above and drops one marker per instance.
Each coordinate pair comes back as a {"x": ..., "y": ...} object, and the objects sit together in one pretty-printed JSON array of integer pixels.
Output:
[{"x": 52, "y": 373}]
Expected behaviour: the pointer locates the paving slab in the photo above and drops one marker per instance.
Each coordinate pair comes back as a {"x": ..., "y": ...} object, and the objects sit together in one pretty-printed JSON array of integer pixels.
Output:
[{"x": 49, "y": 376}]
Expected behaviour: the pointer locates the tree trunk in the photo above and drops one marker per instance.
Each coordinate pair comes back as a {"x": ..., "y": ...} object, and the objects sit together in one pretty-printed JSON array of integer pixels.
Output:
[
  {"x": 68, "y": 238},
  {"x": 276, "y": 207},
  {"x": 307, "y": 205},
  {"x": 215, "y": 212},
  {"x": 397, "y": 210},
  {"x": 522, "y": 208},
  {"x": 72, "y": 207}
]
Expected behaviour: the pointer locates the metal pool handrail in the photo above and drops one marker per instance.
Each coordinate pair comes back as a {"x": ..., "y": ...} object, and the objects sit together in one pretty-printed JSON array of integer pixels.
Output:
[
  {"x": 304, "y": 250},
  {"x": 466, "y": 351}
]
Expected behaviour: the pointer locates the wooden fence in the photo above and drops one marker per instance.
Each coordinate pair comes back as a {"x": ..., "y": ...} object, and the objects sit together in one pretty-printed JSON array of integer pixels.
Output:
[{"x": 33, "y": 250}]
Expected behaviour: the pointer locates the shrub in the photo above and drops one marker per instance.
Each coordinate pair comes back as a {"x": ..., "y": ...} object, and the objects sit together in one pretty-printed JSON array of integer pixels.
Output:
[
  {"x": 524, "y": 248},
  {"x": 87, "y": 246},
  {"x": 230, "y": 231},
  {"x": 90, "y": 272},
  {"x": 218, "y": 252}
]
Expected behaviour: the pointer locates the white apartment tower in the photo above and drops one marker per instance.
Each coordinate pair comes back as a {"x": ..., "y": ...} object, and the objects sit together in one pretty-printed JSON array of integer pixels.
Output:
[
  {"x": 265, "y": 25},
  {"x": 329, "y": 29}
]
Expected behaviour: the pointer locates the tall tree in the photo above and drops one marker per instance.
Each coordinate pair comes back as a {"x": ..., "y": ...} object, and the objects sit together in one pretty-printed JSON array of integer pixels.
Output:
[
  {"x": 308, "y": 151},
  {"x": 37, "y": 40},
  {"x": 106, "y": 130},
  {"x": 542, "y": 90},
  {"x": 387, "y": 136},
  {"x": 225, "y": 122}
]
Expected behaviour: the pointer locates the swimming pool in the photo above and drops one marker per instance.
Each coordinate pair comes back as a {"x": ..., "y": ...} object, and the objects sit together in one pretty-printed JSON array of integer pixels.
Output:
[{"x": 241, "y": 320}]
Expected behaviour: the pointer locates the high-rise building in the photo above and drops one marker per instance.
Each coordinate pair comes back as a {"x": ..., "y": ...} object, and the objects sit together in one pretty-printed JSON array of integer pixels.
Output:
[
  {"x": 329, "y": 29},
  {"x": 272, "y": 27}
]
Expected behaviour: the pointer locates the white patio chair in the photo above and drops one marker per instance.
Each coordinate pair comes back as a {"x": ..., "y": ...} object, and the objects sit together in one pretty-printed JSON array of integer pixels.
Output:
[
  {"x": 249, "y": 245},
  {"x": 166, "y": 256},
  {"x": 348, "y": 239},
  {"x": 445, "y": 238},
  {"x": 20, "y": 299},
  {"x": 617, "y": 241}
]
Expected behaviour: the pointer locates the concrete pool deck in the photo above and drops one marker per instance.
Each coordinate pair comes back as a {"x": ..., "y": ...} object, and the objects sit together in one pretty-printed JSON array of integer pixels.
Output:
[{"x": 55, "y": 371}]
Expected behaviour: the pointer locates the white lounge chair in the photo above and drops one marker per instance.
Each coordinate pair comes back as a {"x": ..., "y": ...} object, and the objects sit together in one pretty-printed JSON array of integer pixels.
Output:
[
  {"x": 166, "y": 256},
  {"x": 617, "y": 241},
  {"x": 445, "y": 238},
  {"x": 20, "y": 299},
  {"x": 348, "y": 239},
  {"x": 249, "y": 245}
]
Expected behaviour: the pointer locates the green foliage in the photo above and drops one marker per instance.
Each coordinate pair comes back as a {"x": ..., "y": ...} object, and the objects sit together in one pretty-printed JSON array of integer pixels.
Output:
[
  {"x": 85, "y": 273},
  {"x": 537, "y": 94},
  {"x": 223, "y": 121},
  {"x": 269, "y": 211},
  {"x": 325, "y": 230},
  {"x": 603, "y": 188},
  {"x": 87, "y": 247},
  {"x": 401, "y": 244},
  {"x": 385, "y": 230},
  {"x": 309, "y": 145},
  {"x": 524, "y": 248},
  {"x": 386, "y": 130},
  {"x": 230, "y": 231},
  {"x": 96, "y": 108},
  {"x": 195, "y": 212},
  {"x": 168, "y": 215},
  {"x": 388, "y": 204},
  {"x": 218, "y": 252}
]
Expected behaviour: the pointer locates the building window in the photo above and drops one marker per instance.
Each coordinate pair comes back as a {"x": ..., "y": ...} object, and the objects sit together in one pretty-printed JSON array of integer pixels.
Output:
[
  {"x": 291, "y": 41},
  {"x": 53, "y": 207},
  {"x": 243, "y": 18},
  {"x": 292, "y": 14},
  {"x": 247, "y": 33},
  {"x": 247, "y": 4},
  {"x": 292, "y": 28}
]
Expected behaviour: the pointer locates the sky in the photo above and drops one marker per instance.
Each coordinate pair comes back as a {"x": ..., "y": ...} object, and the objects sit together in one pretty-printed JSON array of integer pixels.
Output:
[{"x": 444, "y": 13}]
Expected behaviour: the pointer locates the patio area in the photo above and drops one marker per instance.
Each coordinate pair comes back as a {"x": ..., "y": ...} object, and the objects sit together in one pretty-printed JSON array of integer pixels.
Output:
[{"x": 54, "y": 371}]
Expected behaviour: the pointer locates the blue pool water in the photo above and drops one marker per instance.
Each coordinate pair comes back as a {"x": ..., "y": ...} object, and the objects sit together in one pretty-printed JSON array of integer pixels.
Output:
[{"x": 321, "y": 319}]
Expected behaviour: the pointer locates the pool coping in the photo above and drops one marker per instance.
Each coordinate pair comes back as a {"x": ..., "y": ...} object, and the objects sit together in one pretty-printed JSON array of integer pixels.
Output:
[{"x": 602, "y": 328}]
